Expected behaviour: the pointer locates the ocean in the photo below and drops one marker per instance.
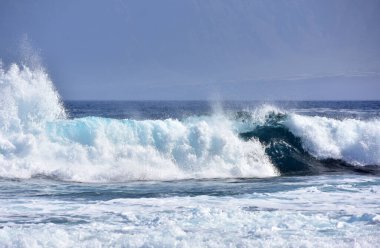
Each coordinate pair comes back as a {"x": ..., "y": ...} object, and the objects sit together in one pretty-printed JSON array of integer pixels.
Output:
[{"x": 184, "y": 173}]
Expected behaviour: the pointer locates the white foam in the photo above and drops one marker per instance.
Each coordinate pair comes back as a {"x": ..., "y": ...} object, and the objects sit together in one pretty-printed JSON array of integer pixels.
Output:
[{"x": 355, "y": 141}]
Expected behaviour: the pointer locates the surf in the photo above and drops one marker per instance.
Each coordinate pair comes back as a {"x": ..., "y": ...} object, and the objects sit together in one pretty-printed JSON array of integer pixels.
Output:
[{"x": 38, "y": 138}]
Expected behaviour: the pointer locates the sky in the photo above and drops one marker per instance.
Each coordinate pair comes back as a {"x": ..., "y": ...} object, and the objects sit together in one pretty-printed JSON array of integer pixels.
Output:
[{"x": 199, "y": 49}]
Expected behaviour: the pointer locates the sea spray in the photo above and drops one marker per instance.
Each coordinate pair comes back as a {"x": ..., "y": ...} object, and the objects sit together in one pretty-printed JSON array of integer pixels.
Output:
[{"x": 28, "y": 98}]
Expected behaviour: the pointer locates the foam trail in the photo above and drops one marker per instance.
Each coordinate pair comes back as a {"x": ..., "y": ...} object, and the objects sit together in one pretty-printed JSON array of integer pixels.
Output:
[{"x": 35, "y": 139}]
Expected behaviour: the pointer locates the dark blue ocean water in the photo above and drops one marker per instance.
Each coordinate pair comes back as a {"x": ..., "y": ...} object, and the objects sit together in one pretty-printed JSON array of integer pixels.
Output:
[
  {"x": 194, "y": 174},
  {"x": 182, "y": 109}
]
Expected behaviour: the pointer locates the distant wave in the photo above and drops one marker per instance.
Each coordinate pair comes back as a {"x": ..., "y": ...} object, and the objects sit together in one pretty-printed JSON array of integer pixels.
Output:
[{"x": 36, "y": 139}]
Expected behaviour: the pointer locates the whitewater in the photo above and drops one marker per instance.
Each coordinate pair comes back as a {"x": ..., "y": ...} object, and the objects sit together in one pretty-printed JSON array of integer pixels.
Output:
[{"x": 163, "y": 174}]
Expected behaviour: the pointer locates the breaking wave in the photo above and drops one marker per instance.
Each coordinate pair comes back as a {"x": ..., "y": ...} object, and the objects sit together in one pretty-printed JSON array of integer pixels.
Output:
[
  {"x": 314, "y": 144},
  {"x": 37, "y": 139}
]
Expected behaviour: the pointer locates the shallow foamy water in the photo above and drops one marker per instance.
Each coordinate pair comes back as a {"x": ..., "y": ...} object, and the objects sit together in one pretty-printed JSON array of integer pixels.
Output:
[{"x": 316, "y": 211}]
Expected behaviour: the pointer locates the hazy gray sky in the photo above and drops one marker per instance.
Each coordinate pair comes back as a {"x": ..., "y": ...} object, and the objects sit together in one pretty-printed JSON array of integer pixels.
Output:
[{"x": 199, "y": 49}]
